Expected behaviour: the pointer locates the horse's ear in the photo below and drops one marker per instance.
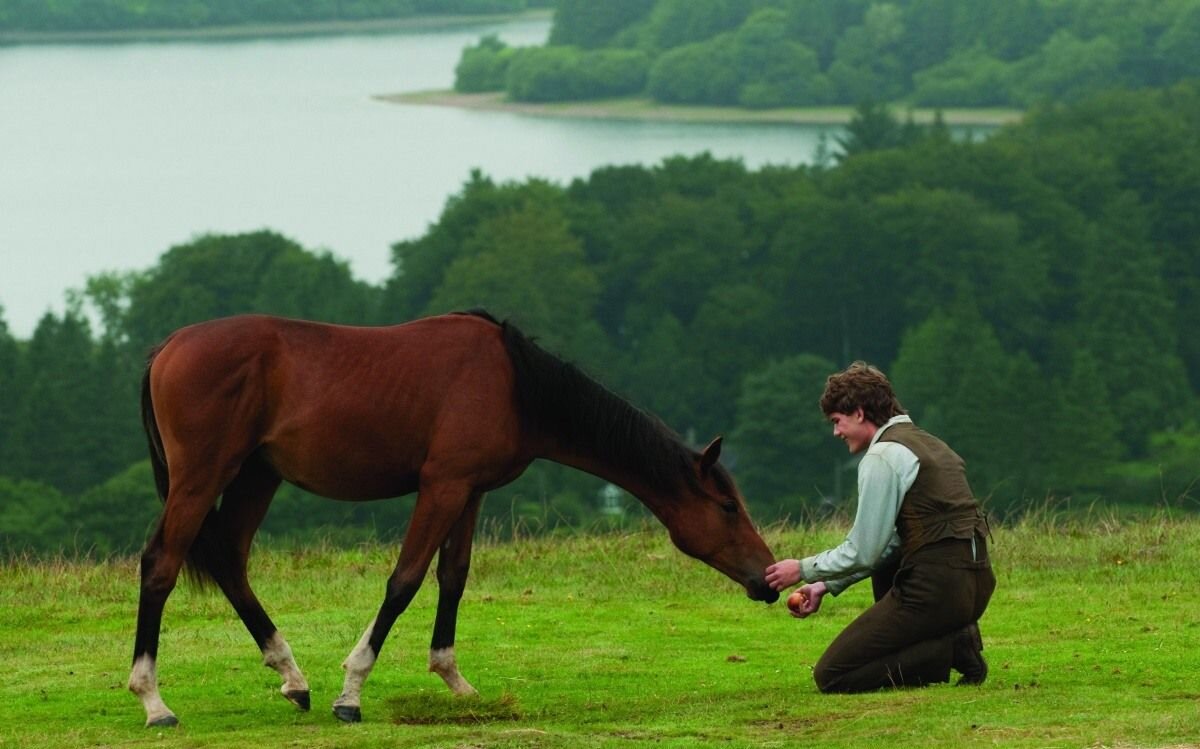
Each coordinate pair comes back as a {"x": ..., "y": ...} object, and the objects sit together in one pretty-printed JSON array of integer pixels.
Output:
[{"x": 709, "y": 457}]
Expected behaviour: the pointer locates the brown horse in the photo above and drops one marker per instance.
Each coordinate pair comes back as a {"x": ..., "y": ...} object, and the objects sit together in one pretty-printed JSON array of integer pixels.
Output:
[{"x": 449, "y": 407}]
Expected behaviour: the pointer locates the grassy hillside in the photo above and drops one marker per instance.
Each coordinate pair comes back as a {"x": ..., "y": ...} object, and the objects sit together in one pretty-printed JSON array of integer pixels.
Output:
[{"x": 618, "y": 640}]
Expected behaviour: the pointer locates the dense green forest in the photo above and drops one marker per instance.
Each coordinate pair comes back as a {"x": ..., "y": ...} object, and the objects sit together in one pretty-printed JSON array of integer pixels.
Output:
[
  {"x": 775, "y": 53},
  {"x": 1034, "y": 295},
  {"x": 119, "y": 15}
]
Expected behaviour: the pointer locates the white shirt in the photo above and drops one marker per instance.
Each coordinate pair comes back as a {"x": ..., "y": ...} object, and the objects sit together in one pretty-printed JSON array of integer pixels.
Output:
[{"x": 885, "y": 474}]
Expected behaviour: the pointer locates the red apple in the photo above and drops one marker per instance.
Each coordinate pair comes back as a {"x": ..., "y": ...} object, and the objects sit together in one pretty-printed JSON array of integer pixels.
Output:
[{"x": 797, "y": 600}]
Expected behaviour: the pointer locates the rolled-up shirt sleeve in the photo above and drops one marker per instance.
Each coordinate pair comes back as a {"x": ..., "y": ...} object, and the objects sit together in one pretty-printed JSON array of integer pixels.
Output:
[
  {"x": 836, "y": 585},
  {"x": 885, "y": 475}
]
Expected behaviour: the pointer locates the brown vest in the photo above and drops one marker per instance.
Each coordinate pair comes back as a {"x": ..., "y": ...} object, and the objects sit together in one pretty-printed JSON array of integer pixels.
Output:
[{"x": 940, "y": 503}]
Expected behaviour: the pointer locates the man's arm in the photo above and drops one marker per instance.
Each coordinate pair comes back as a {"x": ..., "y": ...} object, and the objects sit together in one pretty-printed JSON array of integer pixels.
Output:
[
  {"x": 836, "y": 586},
  {"x": 885, "y": 474}
]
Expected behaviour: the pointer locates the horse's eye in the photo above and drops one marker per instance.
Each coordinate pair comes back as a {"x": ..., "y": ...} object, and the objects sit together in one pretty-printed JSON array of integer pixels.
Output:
[{"x": 729, "y": 506}]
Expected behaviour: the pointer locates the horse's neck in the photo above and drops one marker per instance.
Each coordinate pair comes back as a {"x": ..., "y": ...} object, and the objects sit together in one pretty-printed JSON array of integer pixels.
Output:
[{"x": 631, "y": 481}]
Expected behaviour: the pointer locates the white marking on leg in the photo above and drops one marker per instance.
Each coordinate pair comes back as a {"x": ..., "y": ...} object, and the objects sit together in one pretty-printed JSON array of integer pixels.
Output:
[
  {"x": 358, "y": 666},
  {"x": 277, "y": 654},
  {"x": 443, "y": 663},
  {"x": 143, "y": 681}
]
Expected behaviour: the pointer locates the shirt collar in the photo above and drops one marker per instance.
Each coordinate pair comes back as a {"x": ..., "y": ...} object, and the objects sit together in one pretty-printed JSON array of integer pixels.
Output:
[{"x": 900, "y": 419}]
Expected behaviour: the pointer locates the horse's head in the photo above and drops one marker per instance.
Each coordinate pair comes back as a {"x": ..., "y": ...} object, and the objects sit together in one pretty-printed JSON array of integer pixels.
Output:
[{"x": 710, "y": 522}]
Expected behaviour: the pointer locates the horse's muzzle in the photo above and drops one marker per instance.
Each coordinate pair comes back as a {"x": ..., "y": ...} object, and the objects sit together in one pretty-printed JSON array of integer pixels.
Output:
[{"x": 758, "y": 590}]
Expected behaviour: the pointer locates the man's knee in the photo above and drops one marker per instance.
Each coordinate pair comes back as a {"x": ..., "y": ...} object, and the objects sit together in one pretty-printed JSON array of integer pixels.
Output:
[{"x": 829, "y": 680}]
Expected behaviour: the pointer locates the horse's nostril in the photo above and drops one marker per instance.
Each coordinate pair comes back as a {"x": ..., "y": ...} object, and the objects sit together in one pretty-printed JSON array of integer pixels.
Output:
[{"x": 760, "y": 591}]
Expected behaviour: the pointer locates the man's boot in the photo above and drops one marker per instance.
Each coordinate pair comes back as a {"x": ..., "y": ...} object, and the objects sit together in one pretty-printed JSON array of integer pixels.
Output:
[{"x": 968, "y": 656}]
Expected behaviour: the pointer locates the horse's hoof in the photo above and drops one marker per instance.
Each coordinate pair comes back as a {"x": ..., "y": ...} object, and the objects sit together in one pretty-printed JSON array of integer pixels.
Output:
[
  {"x": 299, "y": 698},
  {"x": 347, "y": 713},
  {"x": 163, "y": 721}
]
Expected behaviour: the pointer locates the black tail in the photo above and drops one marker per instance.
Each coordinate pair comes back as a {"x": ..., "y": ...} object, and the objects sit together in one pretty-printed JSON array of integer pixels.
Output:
[
  {"x": 158, "y": 459},
  {"x": 208, "y": 549}
]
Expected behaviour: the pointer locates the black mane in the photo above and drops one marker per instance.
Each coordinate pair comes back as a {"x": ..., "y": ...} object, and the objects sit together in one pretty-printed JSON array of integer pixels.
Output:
[{"x": 558, "y": 400}]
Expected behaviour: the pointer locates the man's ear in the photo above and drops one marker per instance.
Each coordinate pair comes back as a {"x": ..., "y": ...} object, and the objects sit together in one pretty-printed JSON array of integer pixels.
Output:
[{"x": 708, "y": 458}]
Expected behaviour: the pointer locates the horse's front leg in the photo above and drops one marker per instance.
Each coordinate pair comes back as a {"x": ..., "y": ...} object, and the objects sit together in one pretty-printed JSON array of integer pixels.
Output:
[
  {"x": 454, "y": 561},
  {"x": 438, "y": 508}
]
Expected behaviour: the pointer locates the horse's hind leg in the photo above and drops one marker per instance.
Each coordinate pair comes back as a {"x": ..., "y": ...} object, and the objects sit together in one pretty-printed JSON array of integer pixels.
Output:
[
  {"x": 438, "y": 509},
  {"x": 162, "y": 559},
  {"x": 243, "y": 508},
  {"x": 454, "y": 561},
  {"x": 158, "y": 579}
]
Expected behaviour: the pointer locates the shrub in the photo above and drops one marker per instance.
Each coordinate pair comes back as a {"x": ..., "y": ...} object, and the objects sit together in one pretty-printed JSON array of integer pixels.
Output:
[
  {"x": 483, "y": 67},
  {"x": 569, "y": 73}
]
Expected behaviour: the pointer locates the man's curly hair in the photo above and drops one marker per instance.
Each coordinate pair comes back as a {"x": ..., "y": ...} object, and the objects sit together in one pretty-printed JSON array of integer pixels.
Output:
[{"x": 864, "y": 386}]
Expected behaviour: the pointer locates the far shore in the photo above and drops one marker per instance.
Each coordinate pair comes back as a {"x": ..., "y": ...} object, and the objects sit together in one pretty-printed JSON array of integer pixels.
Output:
[
  {"x": 646, "y": 109},
  {"x": 252, "y": 31}
]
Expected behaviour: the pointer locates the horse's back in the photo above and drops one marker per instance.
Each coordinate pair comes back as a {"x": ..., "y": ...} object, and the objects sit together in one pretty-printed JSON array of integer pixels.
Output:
[
  {"x": 298, "y": 355},
  {"x": 345, "y": 411}
]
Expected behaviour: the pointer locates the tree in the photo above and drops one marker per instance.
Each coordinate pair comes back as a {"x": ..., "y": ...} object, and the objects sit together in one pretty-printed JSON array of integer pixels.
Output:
[
  {"x": 1176, "y": 48},
  {"x": 786, "y": 460},
  {"x": 589, "y": 24},
  {"x": 816, "y": 272},
  {"x": 1147, "y": 143},
  {"x": 483, "y": 67},
  {"x": 216, "y": 275},
  {"x": 116, "y": 516},
  {"x": 968, "y": 78},
  {"x": 866, "y": 65},
  {"x": 947, "y": 245},
  {"x": 31, "y": 517},
  {"x": 958, "y": 382},
  {"x": 567, "y": 73},
  {"x": 669, "y": 252},
  {"x": 315, "y": 286},
  {"x": 1126, "y": 313},
  {"x": 1066, "y": 68},
  {"x": 10, "y": 360},
  {"x": 698, "y": 73},
  {"x": 1167, "y": 475},
  {"x": 616, "y": 72},
  {"x": 773, "y": 69},
  {"x": 544, "y": 74},
  {"x": 54, "y": 437},
  {"x": 527, "y": 266},
  {"x": 1010, "y": 30},
  {"x": 929, "y": 32},
  {"x": 818, "y": 24},
  {"x": 685, "y": 246},
  {"x": 420, "y": 264},
  {"x": 873, "y": 127},
  {"x": 1084, "y": 430},
  {"x": 734, "y": 325},
  {"x": 659, "y": 372},
  {"x": 673, "y": 23}
]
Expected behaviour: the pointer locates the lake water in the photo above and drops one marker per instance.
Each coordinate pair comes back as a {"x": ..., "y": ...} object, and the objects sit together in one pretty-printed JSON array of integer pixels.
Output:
[{"x": 111, "y": 154}]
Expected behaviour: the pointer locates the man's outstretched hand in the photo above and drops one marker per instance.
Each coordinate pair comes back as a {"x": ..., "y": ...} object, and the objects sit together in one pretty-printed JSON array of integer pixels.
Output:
[{"x": 783, "y": 574}]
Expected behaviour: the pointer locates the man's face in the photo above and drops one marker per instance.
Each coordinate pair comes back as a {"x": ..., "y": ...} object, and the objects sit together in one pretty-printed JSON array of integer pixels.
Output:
[{"x": 855, "y": 429}]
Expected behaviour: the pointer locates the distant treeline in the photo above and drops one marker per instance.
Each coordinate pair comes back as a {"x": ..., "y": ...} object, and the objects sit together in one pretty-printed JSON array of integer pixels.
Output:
[
  {"x": 1035, "y": 297},
  {"x": 775, "y": 53},
  {"x": 117, "y": 15}
]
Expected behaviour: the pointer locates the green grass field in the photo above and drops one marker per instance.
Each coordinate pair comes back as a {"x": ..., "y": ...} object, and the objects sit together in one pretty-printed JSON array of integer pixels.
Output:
[{"x": 618, "y": 640}]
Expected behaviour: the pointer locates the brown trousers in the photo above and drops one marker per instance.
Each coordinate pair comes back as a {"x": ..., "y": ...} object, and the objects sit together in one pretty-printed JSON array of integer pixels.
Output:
[{"x": 907, "y": 637}]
